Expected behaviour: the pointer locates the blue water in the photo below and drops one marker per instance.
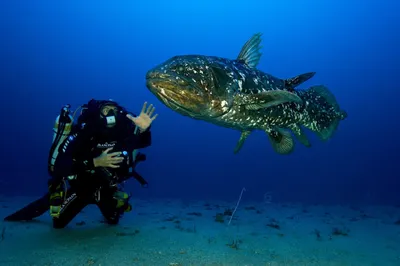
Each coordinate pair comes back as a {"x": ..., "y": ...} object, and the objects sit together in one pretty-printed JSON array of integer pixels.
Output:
[{"x": 54, "y": 53}]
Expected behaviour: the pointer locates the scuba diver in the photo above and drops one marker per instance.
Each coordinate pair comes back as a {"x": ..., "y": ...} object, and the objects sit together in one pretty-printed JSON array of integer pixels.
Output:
[{"x": 90, "y": 161}]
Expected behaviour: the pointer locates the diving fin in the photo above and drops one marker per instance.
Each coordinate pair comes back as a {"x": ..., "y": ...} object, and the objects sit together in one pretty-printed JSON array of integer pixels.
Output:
[
  {"x": 241, "y": 141},
  {"x": 300, "y": 134},
  {"x": 250, "y": 54},
  {"x": 281, "y": 140},
  {"x": 31, "y": 211},
  {"x": 293, "y": 82},
  {"x": 266, "y": 99}
]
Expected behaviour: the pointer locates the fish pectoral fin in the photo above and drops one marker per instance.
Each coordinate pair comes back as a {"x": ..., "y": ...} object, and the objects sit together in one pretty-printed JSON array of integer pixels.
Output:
[
  {"x": 241, "y": 141},
  {"x": 300, "y": 134},
  {"x": 293, "y": 82},
  {"x": 267, "y": 99},
  {"x": 250, "y": 53},
  {"x": 281, "y": 141}
]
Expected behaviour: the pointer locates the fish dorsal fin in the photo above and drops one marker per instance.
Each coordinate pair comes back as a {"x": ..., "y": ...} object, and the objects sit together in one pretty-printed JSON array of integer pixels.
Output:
[
  {"x": 250, "y": 53},
  {"x": 293, "y": 82}
]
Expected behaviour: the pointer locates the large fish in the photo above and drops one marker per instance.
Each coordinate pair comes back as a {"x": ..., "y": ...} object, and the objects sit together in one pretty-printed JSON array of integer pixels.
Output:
[{"x": 235, "y": 94}]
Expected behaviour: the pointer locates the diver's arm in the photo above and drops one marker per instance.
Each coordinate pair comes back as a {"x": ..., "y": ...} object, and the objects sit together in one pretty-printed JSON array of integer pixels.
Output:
[
  {"x": 140, "y": 140},
  {"x": 73, "y": 156}
]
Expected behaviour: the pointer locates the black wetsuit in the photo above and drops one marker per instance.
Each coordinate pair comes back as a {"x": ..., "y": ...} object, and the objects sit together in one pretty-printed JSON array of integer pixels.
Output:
[{"x": 91, "y": 185}]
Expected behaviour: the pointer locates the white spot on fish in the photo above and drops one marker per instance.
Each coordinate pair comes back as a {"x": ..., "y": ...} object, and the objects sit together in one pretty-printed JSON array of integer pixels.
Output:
[{"x": 240, "y": 85}]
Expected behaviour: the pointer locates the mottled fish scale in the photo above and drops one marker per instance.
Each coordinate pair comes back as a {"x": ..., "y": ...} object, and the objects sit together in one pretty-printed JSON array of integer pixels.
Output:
[
  {"x": 236, "y": 95},
  {"x": 244, "y": 80}
]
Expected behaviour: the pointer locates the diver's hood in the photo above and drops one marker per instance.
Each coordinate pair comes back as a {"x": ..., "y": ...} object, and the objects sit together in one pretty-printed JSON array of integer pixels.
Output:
[{"x": 103, "y": 116}]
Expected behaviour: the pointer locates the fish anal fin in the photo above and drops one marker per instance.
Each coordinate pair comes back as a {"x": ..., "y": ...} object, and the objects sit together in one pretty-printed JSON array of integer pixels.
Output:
[
  {"x": 241, "y": 141},
  {"x": 250, "y": 54},
  {"x": 300, "y": 134}
]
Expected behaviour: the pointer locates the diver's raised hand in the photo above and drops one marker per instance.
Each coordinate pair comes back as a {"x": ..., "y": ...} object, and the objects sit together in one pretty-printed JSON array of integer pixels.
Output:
[
  {"x": 106, "y": 159},
  {"x": 144, "y": 120}
]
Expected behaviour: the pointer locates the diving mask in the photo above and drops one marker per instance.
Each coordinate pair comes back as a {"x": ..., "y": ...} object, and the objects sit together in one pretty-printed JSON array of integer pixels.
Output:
[
  {"x": 109, "y": 114},
  {"x": 103, "y": 113}
]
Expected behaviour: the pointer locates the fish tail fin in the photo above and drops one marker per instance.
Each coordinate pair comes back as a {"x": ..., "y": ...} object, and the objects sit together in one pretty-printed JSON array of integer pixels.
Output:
[
  {"x": 293, "y": 82},
  {"x": 323, "y": 110},
  {"x": 281, "y": 140}
]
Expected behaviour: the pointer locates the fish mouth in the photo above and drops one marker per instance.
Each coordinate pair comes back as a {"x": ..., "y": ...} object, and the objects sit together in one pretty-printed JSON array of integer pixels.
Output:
[{"x": 165, "y": 88}]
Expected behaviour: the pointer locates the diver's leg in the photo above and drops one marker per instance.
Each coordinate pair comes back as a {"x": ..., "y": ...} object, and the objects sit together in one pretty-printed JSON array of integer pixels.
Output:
[
  {"x": 69, "y": 209},
  {"x": 113, "y": 204},
  {"x": 57, "y": 193}
]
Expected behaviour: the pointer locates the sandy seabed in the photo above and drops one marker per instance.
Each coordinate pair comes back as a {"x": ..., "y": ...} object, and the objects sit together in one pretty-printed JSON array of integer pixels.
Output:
[{"x": 174, "y": 232}]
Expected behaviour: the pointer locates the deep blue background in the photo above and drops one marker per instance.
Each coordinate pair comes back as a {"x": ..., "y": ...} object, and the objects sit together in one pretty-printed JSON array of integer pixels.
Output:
[{"x": 58, "y": 52}]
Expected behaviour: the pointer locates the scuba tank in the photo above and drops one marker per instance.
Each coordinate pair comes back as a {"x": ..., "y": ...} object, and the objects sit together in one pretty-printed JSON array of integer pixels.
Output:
[
  {"x": 56, "y": 186},
  {"x": 62, "y": 129}
]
